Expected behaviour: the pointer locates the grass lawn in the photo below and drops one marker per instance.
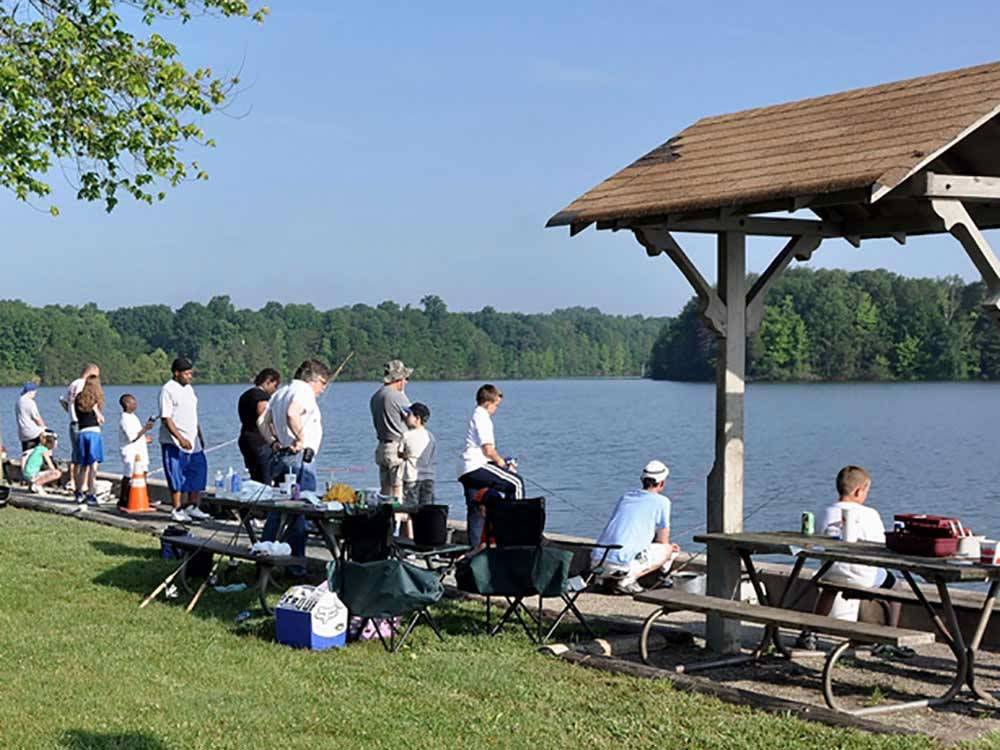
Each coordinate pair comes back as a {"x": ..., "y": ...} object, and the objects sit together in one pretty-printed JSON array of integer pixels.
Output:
[{"x": 82, "y": 667}]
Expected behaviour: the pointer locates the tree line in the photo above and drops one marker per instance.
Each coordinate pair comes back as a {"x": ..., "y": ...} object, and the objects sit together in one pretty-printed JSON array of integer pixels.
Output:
[
  {"x": 228, "y": 345},
  {"x": 836, "y": 325}
]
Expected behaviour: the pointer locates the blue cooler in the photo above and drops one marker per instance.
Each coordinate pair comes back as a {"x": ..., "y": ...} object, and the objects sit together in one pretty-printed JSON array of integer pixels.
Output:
[{"x": 311, "y": 617}]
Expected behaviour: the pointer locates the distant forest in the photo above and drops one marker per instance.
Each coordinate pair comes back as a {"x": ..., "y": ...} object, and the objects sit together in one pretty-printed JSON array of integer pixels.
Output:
[
  {"x": 835, "y": 325},
  {"x": 229, "y": 345}
]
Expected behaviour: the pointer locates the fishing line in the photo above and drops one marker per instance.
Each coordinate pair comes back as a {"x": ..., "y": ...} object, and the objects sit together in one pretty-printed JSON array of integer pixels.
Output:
[
  {"x": 556, "y": 495},
  {"x": 778, "y": 495}
]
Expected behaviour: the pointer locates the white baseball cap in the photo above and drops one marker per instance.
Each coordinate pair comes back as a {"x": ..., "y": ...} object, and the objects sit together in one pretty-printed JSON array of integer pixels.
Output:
[{"x": 655, "y": 470}]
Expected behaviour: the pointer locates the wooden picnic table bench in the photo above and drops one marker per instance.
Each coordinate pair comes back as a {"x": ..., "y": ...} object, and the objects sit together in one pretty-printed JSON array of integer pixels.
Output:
[
  {"x": 192, "y": 545},
  {"x": 855, "y": 633},
  {"x": 967, "y": 601}
]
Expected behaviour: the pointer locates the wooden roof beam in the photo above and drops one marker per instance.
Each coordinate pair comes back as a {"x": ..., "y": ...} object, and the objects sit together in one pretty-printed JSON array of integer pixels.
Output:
[
  {"x": 658, "y": 240},
  {"x": 797, "y": 248},
  {"x": 961, "y": 226},
  {"x": 958, "y": 186},
  {"x": 752, "y": 225}
]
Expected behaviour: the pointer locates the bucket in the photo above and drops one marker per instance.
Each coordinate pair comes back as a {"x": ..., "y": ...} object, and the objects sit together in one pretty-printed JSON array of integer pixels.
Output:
[
  {"x": 690, "y": 583},
  {"x": 430, "y": 525}
]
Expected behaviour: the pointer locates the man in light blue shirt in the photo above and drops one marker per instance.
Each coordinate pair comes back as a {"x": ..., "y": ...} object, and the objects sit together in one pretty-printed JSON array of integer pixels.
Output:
[{"x": 640, "y": 523}]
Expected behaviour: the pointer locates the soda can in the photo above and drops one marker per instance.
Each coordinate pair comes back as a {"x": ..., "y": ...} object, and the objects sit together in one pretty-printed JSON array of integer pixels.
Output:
[{"x": 808, "y": 523}]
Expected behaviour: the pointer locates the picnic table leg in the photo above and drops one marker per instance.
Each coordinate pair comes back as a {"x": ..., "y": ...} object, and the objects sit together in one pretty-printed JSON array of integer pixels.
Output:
[
  {"x": 247, "y": 521},
  {"x": 941, "y": 628},
  {"x": 962, "y": 669},
  {"x": 984, "y": 619},
  {"x": 957, "y": 644},
  {"x": 329, "y": 538},
  {"x": 770, "y": 632}
]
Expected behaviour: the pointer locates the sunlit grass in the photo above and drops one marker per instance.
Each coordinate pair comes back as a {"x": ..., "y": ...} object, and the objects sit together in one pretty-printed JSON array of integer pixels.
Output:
[{"x": 82, "y": 667}]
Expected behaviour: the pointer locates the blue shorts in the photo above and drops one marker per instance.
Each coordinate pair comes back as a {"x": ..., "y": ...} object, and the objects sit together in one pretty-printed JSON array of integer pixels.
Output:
[
  {"x": 186, "y": 472},
  {"x": 89, "y": 448}
]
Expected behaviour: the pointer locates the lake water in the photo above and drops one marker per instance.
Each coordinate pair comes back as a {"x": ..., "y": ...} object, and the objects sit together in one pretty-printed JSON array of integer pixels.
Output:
[{"x": 929, "y": 446}]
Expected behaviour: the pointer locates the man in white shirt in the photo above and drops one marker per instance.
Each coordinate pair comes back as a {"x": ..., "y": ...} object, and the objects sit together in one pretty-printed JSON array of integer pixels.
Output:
[
  {"x": 481, "y": 466},
  {"x": 293, "y": 420},
  {"x": 68, "y": 403},
  {"x": 186, "y": 468},
  {"x": 30, "y": 424}
]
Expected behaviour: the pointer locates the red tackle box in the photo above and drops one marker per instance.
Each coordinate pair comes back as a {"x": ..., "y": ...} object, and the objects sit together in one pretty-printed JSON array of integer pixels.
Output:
[{"x": 907, "y": 543}]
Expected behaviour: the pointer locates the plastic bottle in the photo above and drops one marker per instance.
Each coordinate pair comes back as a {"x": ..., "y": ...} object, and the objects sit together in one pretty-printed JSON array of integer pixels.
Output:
[
  {"x": 220, "y": 481},
  {"x": 235, "y": 483}
]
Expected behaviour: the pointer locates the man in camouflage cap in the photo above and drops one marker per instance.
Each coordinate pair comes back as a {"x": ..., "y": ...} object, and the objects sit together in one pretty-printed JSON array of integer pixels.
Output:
[{"x": 387, "y": 406}]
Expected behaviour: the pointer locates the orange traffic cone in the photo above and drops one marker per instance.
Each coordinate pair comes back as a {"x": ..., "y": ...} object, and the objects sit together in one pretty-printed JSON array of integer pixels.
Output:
[{"x": 138, "y": 496}]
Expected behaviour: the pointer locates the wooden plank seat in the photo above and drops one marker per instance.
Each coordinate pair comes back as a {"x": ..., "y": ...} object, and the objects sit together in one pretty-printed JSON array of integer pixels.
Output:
[
  {"x": 971, "y": 601},
  {"x": 668, "y": 600},
  {"x": 265, "y": 563}
]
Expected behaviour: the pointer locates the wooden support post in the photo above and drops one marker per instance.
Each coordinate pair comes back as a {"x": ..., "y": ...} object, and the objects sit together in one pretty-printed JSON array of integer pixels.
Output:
[
  {"x": 725, "y": 483},
  {"x": 961, "y": 226}
]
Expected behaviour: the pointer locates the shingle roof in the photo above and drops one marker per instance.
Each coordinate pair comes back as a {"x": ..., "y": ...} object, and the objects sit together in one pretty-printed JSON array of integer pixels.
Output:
[{"x": 866, "y": 138}]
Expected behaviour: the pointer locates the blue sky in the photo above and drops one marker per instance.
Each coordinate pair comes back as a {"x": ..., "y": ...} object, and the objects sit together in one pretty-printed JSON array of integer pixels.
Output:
[{"x": 393, "y": 150}]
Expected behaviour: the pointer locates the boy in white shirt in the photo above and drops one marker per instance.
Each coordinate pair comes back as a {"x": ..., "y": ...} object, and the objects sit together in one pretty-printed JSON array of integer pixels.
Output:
[
  {"x": 853, "y": 485},
  {"x": 417, "y": 450},
  {"x": 133, "y": 437},
  {"x": 481, "y": 465}
]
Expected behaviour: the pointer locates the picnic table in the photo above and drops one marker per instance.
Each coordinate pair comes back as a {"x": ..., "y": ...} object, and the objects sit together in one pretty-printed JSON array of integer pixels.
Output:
[
  {"x": 327, "y": 520},
  {"x": 827, "y": 551}
]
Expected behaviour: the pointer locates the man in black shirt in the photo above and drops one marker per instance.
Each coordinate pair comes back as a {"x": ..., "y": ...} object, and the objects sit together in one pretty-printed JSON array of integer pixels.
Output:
[{"x": 255, "y": 448}]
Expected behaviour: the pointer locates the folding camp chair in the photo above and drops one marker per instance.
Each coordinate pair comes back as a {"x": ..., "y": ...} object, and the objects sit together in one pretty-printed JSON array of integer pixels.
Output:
[
  {"x": 375, "y": 584},
  {"x": 523, "y": 563},
  {"x": 381, "y": 591}
]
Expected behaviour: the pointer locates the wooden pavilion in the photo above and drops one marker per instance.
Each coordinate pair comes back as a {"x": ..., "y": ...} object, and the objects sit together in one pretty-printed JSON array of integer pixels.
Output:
[{"x": 915, "y": 157}]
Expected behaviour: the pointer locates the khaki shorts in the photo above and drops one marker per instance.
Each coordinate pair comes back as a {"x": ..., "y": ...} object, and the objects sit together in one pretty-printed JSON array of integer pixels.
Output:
[
  {"x": 658, "y": 555},
  {"x": 390, "y": 465}
]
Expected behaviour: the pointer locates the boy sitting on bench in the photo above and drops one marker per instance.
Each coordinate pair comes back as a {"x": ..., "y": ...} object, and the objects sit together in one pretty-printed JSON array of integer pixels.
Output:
[{"x": 853, "y": 485}]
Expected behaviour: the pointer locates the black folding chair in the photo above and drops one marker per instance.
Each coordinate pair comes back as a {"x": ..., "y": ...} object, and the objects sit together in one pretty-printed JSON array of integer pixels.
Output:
[
  {"x": 521, "y": 562},
  {"x": 376, "y": 584}
]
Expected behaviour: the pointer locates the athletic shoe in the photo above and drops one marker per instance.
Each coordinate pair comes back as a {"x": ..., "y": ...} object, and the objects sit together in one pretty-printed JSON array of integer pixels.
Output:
[
  {"x": 180, "y": 515},
  {"x": 79, "y": 497},
  {"x": 628, "y": 587},
  {"x": 34, "y": 489},
  {"x": 806, "y": 641},
  {"x": 665, "y": 581},
  {"x": 888, "y": 651},
  {"x": 197, "y": 513},
  {"x": 92, "y": 501}
]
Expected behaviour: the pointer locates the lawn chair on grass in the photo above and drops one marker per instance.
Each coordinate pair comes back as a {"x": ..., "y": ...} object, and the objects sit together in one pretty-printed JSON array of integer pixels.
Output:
[
  {"x": 377, "y": 586},
  {"x": 519, "y": 563}
]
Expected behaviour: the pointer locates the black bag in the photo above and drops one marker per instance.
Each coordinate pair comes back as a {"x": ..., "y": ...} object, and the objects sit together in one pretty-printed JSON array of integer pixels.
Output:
[
  {"x": 200, "y": 565},
  {"x": 430, "y": 525}
]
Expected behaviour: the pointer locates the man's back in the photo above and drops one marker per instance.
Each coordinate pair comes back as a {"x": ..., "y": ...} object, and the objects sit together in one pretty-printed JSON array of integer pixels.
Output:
[
  {"x": 634, "y": 521},
  {"x": 387, "y": 406}
]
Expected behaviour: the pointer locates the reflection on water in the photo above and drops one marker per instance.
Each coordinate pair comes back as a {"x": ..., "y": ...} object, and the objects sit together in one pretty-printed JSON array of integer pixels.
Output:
[{"x": 929, "y": 446}]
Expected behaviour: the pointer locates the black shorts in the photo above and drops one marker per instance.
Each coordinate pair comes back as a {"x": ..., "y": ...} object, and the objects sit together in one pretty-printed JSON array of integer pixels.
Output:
[{"x": 27, "y": 445}]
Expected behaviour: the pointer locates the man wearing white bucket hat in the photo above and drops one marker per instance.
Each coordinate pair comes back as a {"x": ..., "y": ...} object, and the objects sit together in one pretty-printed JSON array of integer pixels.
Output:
[{"x": 640, "y": 523}]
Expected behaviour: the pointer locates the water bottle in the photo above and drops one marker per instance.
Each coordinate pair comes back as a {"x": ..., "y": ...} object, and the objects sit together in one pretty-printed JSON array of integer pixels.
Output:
[
  {"x": 235, "y": 483},
  {"x": 220, "y": 481}
]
